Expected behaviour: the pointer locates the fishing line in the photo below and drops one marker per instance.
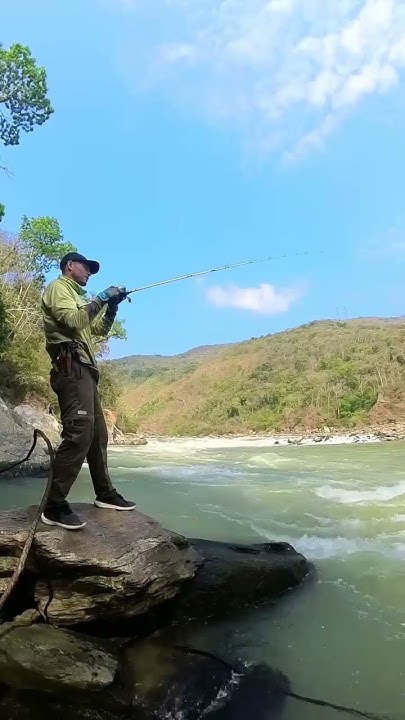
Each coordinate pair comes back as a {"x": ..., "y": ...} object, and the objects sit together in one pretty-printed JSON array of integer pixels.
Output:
[{"x": 218, "y": 269}]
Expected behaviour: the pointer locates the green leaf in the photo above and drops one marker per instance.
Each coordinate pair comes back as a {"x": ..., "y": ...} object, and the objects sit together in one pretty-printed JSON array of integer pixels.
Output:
[
  {"x": 23, "y": 93},
  {"x": 43, "y": 241}
]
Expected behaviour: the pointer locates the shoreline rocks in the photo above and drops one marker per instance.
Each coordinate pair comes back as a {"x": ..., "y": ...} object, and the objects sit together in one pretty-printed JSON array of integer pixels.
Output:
[
  {"x": 116, "y": 436},
  {"x": 42, "y": 420},
  {"x": 16, "y": 432},
  {"x": 279, "y": 439},
  {"x": 16, "y": 439}
]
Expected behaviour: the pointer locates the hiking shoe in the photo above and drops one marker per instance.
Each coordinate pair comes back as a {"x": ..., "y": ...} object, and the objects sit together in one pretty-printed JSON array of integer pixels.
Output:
[
  {"x": 63, "y": 517},
  {"x": 114, "y": 501}
]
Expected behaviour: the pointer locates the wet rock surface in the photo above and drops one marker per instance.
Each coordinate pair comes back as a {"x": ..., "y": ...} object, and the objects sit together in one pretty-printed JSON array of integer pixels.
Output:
[
  {"x": 39, "y": 657},
  {"x": 236, "y": 576},
  {"x": 157, "y": 682}
]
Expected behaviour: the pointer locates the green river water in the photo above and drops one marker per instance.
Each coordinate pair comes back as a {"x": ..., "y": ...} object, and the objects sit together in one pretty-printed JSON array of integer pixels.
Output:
[{"x": 341, "y": 638}]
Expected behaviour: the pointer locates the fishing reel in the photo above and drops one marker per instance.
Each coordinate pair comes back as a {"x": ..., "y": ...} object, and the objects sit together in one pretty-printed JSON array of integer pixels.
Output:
[{"x": 124, "y": 292}]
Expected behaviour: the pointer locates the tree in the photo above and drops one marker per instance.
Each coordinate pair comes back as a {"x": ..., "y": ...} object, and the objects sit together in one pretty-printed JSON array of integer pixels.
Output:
[
  {"x": 2, "y": 211},
  {"x": 23, "y": 93},
  {"x": 43, "y": 241},
  {"x": 117, "y": 332}
]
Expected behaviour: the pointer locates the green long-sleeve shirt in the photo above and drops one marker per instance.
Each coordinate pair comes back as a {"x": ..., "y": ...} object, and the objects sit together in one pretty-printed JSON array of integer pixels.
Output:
[{"x": 65, "y": 319}]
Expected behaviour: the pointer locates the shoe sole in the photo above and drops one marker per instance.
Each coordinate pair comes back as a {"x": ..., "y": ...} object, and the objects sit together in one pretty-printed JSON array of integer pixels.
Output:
[
  {"x": 108, "y": 506},
  {"x": 62, "y": 525}
]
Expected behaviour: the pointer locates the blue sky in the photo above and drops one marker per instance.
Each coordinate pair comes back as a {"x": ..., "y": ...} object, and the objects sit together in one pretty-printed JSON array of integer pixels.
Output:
[{"x": 192, "y": 133}]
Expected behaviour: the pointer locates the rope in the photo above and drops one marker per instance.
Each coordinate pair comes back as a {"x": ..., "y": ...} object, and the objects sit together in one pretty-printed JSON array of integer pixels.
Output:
[
  {"x": 338, "y": 708},
  {"x": 30, "y": 537},
  {"x": 288, "y": 693}
]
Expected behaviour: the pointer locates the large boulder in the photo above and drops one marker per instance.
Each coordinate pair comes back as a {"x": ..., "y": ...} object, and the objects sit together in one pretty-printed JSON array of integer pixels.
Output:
[
  {"x": 42, "y": 420},
  {"x": 15, "y": 440},
  {"x": 125, "y": 566},
  {"x": 118, "y": 567},
  {"x": 236, "y": 576}
]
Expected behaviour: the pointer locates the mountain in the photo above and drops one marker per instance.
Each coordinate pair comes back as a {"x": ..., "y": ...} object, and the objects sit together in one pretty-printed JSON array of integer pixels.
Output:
[
  {"x": 136, "y": 368},
  {"x": 334, "y": 373}
]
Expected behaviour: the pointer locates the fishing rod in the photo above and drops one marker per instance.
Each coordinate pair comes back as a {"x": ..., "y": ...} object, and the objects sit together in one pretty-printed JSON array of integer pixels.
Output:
[{"x": 213, "y": 270}]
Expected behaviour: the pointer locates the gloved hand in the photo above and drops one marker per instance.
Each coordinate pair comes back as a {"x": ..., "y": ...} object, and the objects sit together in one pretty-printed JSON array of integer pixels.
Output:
[
  {"x": 113, "y": 295},
  {"x": 114, "y": 302}
]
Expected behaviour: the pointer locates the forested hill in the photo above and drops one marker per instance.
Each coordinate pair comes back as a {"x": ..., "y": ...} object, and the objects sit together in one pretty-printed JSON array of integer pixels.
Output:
[{"x": 334, "y": 373}]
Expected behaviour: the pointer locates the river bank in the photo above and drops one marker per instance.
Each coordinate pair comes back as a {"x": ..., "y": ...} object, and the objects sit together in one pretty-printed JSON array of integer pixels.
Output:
[
  {"x": 336, "y": 437},
  {"x": 17, "y": 425}
]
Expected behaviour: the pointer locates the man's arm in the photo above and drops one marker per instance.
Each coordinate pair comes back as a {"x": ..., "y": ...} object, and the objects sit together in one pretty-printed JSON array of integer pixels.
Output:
[
  {"x": 101, "y": 326},
  {"x": 65, "y": 311}
]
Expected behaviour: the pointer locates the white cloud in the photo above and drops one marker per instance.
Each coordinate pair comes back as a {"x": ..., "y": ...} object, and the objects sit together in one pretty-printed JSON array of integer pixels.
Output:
[
  {"x": 288, "y": 71},
  {"x": 264, "y": 299}
]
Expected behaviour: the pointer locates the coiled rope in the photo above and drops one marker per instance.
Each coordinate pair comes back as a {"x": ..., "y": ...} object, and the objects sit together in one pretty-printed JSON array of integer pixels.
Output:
[{"x": 31, "y": 533}]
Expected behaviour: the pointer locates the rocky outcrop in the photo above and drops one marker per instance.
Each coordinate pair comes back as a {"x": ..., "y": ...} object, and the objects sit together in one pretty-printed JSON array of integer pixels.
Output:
[
  {"x": 123, "y": 567},
  {"x": 116, "y": 436},
  {"x": 15, "y": 441},
  {"x": 118, "y": 567},
  {"x": 124, "y": 564},
  {"x": 42, "y": 420}
]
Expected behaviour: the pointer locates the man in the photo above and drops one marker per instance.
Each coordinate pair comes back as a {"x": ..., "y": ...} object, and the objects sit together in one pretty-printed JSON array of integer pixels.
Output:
[{"x": 70, "y": 323}]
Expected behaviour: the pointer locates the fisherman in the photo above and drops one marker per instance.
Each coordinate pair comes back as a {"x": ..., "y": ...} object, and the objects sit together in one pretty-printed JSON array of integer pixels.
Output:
[{"x": 71, "y": 322}]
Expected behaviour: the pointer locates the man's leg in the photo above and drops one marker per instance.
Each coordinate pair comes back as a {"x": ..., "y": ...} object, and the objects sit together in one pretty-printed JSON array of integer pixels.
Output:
[
  {"x": 106, "y": 496},
  {"x": 76, "y": 402}
]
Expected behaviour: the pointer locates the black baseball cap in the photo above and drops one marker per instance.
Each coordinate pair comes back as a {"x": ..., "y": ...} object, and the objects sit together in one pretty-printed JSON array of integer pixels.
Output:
[{"x": 76, "y": 257}]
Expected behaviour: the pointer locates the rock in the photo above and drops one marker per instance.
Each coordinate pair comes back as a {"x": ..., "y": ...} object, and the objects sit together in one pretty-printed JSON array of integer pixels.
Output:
[
  {"x": 124, "y": 565},
  {"x": 234, "y": 577},
  {"x": 132, "y": 439},
  {"x": 15, "y": 441},
  {"x": 116, "y": 436},
  {"x": 43, "y": 658},
  {"x": 156, "y": 681},
  {"x": 41, "y": 420},
  {"x": 173, "y": 682},
  {"x": 118, "y": 567}
]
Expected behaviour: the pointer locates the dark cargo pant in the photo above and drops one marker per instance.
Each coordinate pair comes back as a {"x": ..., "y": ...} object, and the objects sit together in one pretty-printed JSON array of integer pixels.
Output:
[{"x": 84, "y": 434}]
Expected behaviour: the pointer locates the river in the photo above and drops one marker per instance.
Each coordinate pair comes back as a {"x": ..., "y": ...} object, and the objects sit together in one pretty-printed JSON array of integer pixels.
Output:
[{"x": 341, "y": 638}]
